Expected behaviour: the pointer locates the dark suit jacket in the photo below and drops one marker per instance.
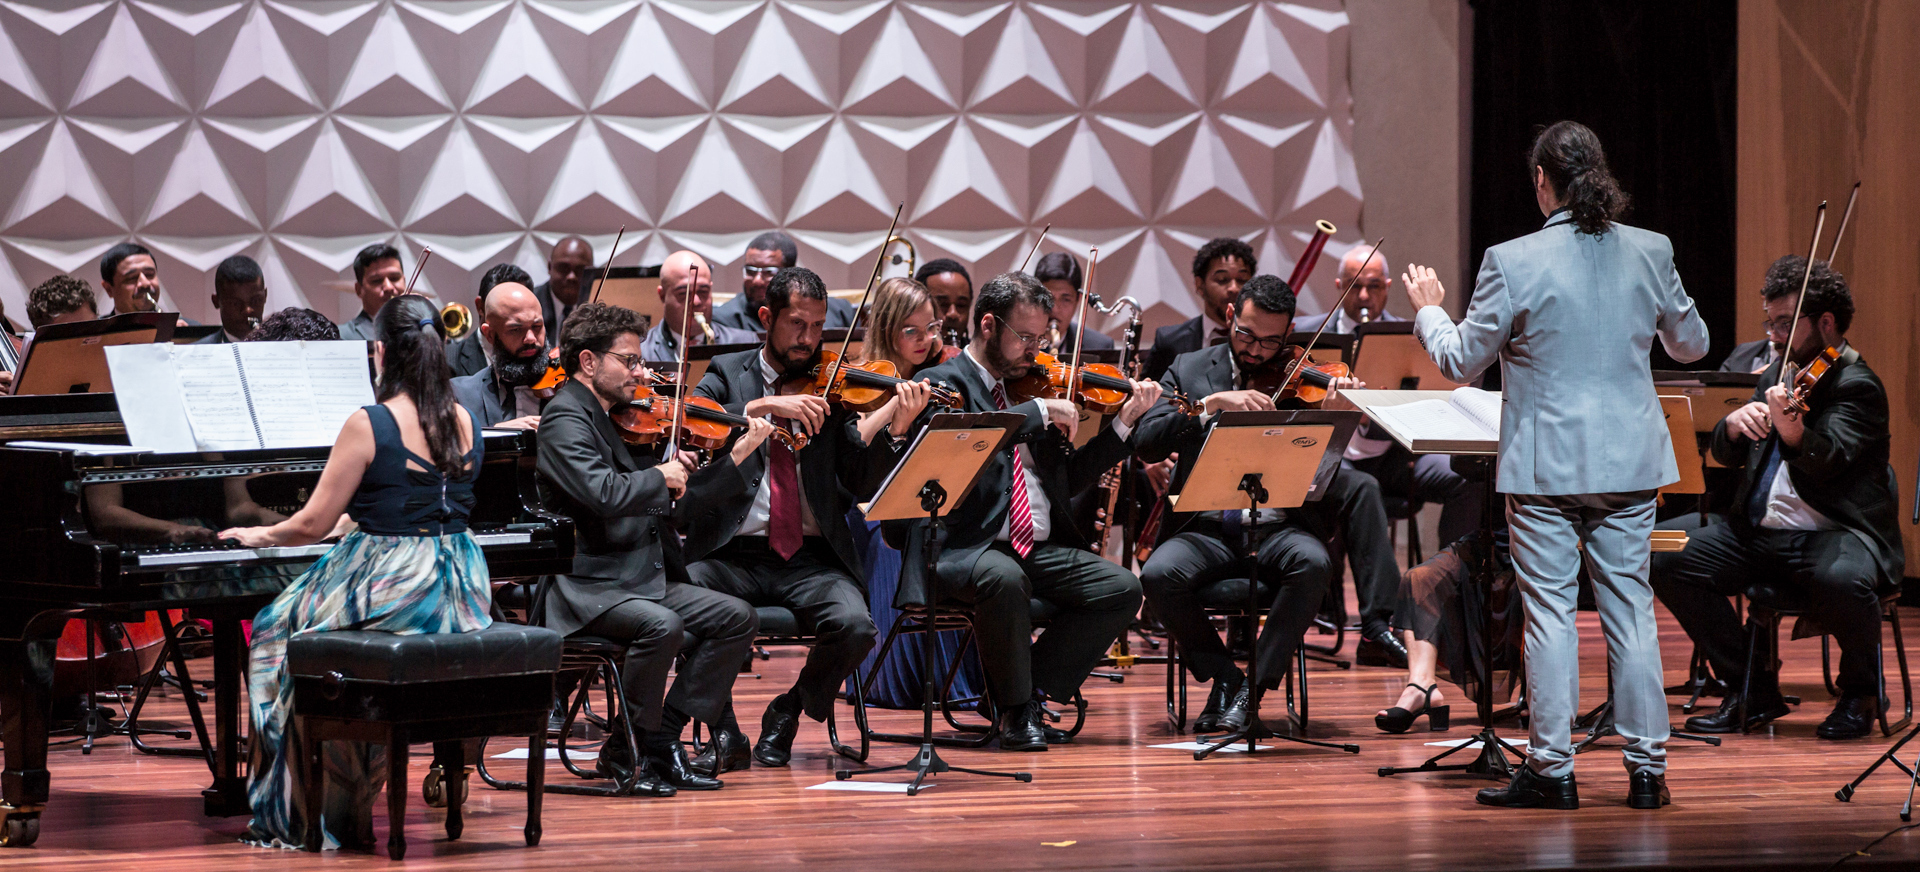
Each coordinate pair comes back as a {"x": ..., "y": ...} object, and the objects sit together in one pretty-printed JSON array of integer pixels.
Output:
[
  {"x": 972, "y": 525},
  {"x": 1171, "y": 342},
  {"x": 1096, "y": 341},
  {"x": 549, "y": 311},
  {"x": 734, "y": 313},
  {"x": 625, "y": 545},
  {"x": 1308, "y": 324},
  {"x": 1745, "y": 356},
  {"x": 836, "y": 470},
  {"x": 1840, "y": 468},
  {"x": 465, "y": 354},
  {"x": 217, "y": 337},
  {"x": 476, "y": 392}
]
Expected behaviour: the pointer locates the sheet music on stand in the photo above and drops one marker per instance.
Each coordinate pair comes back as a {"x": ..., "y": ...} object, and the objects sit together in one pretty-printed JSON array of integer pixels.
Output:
[
  {"x": 237, "y": 396},
  {"x": 1460, "y": 421},
  {"x": 952, "y": 447},
  {"x": 69, "y": 358}
]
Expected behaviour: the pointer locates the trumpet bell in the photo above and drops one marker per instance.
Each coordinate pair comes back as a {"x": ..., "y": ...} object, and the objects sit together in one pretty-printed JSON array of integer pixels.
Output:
[{"x": 457, "y": 318}]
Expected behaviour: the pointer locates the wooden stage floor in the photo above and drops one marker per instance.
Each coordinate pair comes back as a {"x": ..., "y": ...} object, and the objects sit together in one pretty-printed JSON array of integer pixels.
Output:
[{"x": 1107, "y": 801}]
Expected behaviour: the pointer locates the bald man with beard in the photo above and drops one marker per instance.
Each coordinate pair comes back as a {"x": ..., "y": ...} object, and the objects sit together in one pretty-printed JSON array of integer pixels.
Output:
[
  {"x": 501, "y": 395},
  {"x": 686, "y": 280}
]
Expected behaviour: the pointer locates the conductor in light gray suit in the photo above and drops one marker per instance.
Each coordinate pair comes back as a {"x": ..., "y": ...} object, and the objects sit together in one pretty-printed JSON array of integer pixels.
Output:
[{"x": 1570, "y": 312}]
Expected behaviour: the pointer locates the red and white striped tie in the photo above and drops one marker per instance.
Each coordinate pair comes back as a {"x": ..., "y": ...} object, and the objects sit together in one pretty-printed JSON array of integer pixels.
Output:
[{"x": 1020, "y": 512}]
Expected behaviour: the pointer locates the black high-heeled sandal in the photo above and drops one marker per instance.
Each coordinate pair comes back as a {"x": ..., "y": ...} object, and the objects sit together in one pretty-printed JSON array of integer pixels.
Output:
[{"x": 1399, "y": 720}]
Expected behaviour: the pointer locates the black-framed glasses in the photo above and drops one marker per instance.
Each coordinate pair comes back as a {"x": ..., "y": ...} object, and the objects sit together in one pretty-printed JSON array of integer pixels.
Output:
[
  {"x": 633, "y": 362},
  {"x": 754, "y": 272},
  {"x": 1782, "y": 325},
  {"x": 1030, "y": 340},
  {"x": 1266, "y": 343}
]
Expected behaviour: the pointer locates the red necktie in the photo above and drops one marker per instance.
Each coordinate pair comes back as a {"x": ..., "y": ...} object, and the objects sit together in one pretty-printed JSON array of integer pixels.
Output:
[
  {"x": 1020, "y": 513},
  {"x": 783, "y": 523}
]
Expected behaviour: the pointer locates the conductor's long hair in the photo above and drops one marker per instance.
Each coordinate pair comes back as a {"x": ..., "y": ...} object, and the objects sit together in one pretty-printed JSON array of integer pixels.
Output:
[
  {"x": 1576, "y": 167},
  {"x": 414, "y": 363}
]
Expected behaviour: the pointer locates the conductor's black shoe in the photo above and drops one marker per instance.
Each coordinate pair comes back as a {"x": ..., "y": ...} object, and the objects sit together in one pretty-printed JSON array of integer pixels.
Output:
[
  {"x": 671, "y": 766},
  {"x": 1020, "y": 728},
  {"x": 1529, "y": 789},
  {"x": 1726, "y": 719},
  {"x": 1647, "y": 790},
  {"x": 1380, "y": 647},
  {"x": 1224, "y": 687},
  {"x": 1852, "y": 718},
  {"x": 777, "y": 729},
  {"x": 727, "y": 751}
]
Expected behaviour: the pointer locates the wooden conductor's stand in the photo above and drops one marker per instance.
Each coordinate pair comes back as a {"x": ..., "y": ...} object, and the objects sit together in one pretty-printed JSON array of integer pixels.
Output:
[
  {"x": 1256, "y": 460},
  {"x": 939, "y": 470}
]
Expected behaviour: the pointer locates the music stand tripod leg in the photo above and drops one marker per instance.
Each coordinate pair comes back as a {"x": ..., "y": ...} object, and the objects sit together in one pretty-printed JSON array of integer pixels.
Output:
[
  {"x": 1255, "y": 730},
  {"x": 927, "y": 761}
]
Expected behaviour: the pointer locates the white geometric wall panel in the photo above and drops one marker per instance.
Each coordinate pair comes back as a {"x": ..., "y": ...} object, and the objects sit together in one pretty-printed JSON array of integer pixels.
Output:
[{"x": 298, "y": 131}]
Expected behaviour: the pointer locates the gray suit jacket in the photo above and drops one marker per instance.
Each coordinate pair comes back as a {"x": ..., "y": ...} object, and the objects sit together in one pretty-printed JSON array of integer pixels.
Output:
[
  {"x": 465, "y": 355},
  {"x": 358, "y": 327},
  {"x": 1572, "y": 318},
  {"x": 625, "y": 544},
  {"x": 733, "y": 313},
  {"x": 476, "y": 393}
]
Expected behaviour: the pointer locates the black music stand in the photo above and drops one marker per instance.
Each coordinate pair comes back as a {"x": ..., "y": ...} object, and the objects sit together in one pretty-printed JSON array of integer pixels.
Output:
[
  {"x": 1263, "y": 460},
  {"x": 1892, "y": 755},
  {"x": 939, "y": 469}
]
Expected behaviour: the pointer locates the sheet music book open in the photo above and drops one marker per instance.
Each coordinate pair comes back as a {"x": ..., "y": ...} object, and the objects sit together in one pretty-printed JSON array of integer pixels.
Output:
[
  {"x": 238, "y": 396},
  {"x": 1468, "y": 420}
]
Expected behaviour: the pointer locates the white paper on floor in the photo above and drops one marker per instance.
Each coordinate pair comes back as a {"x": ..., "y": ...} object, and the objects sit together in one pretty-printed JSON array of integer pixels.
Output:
[
  {"x": 867, "y": 786},
  {"x": 1237, "y": 747},
  {"x": 552, "y": 754},
  {"x": 1455, "y": 743}
]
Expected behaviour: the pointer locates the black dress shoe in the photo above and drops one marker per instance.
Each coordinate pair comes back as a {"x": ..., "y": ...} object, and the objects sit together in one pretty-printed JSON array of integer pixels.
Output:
[
  {"x": 1020, "y": 728},
  {"x": 1726, "y": 719},
  {"x": 1224, "y": 687},
  {"x": 777, "y": 729},
  {"x": 672, "y": 767},
  {"x": 615, "y": 763},
  {"x": 727, "y": 751},
  {"x": 1380, "y": 647},
  {"x": 1648, "y": 790},
  {"x": 1235, "y": 716},
  {"x": 1852, "y": 718},
  {"x": 1529, "y": 789}
]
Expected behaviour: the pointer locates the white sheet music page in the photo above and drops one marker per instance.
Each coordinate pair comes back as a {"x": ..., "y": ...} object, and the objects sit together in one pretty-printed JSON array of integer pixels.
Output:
[
  {"x": 303, "y": 392},
  {"x": 341, "y": 383},
  {"x": 214, "y": 397},
  {"x": 1432, "y": 420},
  {"x": 148, "y": 393},
  {"x": 1482, "y": 406}
]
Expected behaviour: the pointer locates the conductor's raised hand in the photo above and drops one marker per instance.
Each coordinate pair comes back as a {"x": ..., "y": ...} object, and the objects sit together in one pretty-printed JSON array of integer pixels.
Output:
[
  {"x": 808, "y": 412},
  {"x": 1145, "y": 394},
  {"x": 1423, "y": 286}
]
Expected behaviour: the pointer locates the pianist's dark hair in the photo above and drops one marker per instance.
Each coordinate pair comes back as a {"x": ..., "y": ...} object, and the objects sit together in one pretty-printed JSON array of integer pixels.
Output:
[
  {"x": 415, "y": 364},
  {"x": 1270, "y": 293},
  {"x": 292, "y": 324},
  {"x": 594, "y": 327},
  {"x": 1570, "y": 154}
]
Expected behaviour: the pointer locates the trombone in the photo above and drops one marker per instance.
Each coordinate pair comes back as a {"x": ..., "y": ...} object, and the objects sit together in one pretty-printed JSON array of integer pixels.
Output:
[
  {"x": 458, "y": 320},
  {"x": 907, "y": 258}
]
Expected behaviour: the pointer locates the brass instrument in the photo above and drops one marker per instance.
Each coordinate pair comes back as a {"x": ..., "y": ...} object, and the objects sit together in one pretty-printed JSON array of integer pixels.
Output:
[
  {"x": 706, "y": 330},
  {"x": 909, "y": 259},
  {"x": 1120, "y": 477},
  {"x": 458, "y": 320},
  {"x": 148, "y": 296}
]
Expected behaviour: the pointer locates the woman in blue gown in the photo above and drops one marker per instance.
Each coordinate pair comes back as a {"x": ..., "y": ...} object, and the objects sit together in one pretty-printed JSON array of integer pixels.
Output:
[{"x": 403, "y": 470}]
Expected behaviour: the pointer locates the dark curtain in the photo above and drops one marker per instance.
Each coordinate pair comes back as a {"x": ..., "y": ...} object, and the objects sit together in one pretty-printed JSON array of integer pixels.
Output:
[{"x": 1655, "y": 81}]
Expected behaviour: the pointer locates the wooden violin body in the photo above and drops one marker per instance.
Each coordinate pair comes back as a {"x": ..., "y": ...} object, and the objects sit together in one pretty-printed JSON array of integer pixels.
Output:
[
  {"x": 1808, "y": 378},
  {"x": 704, "y": 424},
  {"x": 1310, "y": 382},
  {"x": 1100, "y": 387},
  {"x": 862, "y": 387}
]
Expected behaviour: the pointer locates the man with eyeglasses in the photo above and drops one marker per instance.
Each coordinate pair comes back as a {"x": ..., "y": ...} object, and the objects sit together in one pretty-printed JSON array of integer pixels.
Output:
[
  {"x": 767, "y": 255},
  {"x": 1814, "y": 515},
  {"x": 1014, "y": 534},
  {"x": 629, "y": 582},
  {"x": 1197, "y": 549},
  {"x": 686, "y": 281}
]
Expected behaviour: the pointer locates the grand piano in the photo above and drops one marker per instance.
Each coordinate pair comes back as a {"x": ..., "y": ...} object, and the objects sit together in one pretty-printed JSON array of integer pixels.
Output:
[{"x": 112, "y": 533}]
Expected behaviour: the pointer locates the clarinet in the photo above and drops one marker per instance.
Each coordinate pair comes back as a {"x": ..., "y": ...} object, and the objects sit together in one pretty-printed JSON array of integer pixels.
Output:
[{"x": 1121, "y": 475}]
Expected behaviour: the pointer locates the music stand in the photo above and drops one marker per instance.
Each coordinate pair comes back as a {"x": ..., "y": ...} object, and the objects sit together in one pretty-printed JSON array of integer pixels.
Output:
[
  {"x": 1256, "y": 460},
  {"x": 939, "y": 469},
  {"x": 72, "y": 359},
  {"x": 1387, "y": 356}
]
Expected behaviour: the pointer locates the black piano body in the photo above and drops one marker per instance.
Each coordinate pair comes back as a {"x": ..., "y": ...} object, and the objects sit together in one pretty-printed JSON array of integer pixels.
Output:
[{"x": 84, "y": 533}]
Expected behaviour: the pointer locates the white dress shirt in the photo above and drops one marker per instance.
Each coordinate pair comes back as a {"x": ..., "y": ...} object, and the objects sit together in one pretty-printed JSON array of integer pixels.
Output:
[
  {"x": 1787, "y": 511},
  {"x": 760, "y": 516}
]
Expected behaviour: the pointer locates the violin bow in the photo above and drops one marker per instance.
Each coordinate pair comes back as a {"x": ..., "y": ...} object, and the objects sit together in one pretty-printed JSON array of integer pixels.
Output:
[
  {"x": 1079, "y": 317},
  {"x": 680, "y": 396},
  {"x": 1035, "y": 249},
  {"x": 1846, "y": 218},
  {"x": 595, "y": 296},
  {"x": 1813, "y": 248},
  {"x": 425, "y": 254},
  {"x": 846, "y": 342},
  {"x": 1329, "y": 319}
]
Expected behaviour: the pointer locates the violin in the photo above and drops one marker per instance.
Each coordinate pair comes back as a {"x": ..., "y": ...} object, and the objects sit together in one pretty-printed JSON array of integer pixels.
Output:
[
  {"x": 1308, "y": 381},
  {"x": 703, "y": 424},
  {"x": 862, "y": 387},
  {"x": 1100, "y": 387},
  {"x": 1808, "y": 377},
  {"x": 556, "y": 374}
]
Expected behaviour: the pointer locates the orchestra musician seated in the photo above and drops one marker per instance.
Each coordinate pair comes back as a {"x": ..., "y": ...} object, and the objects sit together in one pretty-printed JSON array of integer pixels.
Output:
[
  {"x": 952, "y": 290},
  {"x": 1060, "y": 273},
  {"x": 1197, "y": 549},
  {"x": 783, "y": 540},
  {"x": 629, "y": 581},
  {"x": 377, "y": 278},
  {"x": 131, "y": 279},
  {"x": 767, "y": 254},
  {"x": 570, "y": 259},
  {"x": 1814, "y": 514},
  {"x": 60, "y": 300},
  {"x": 404, "y": 470},
  {"x": 1013, "y": 535},
  {"x": 686, "y": 281},
  {"x": 239, "y": 298},
  {"x": 472, "y": 353},
  {"x": 293, "y": 324},
  {"x": 514, "y": 332}
]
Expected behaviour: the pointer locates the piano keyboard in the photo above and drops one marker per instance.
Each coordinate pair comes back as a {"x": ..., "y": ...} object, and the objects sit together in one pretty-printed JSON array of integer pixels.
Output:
[{"x": 196, "y": 555}]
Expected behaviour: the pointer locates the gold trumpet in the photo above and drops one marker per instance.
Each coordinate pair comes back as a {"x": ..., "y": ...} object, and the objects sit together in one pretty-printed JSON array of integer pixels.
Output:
[
  {"x": 897, "y": 259},
  {"x": 457, "y": 318}
]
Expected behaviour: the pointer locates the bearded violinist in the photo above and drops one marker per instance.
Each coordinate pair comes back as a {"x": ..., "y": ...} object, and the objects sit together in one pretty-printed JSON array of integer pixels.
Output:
[{"x": 1814, "y": 514}]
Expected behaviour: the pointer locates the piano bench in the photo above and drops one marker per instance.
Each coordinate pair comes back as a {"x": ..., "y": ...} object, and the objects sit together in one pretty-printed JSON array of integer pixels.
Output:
[{"x": 444, "y": 688}]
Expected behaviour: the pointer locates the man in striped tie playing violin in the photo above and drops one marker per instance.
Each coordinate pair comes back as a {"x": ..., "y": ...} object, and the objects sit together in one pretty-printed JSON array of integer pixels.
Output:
[{"x": 1014, "y": 533}]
